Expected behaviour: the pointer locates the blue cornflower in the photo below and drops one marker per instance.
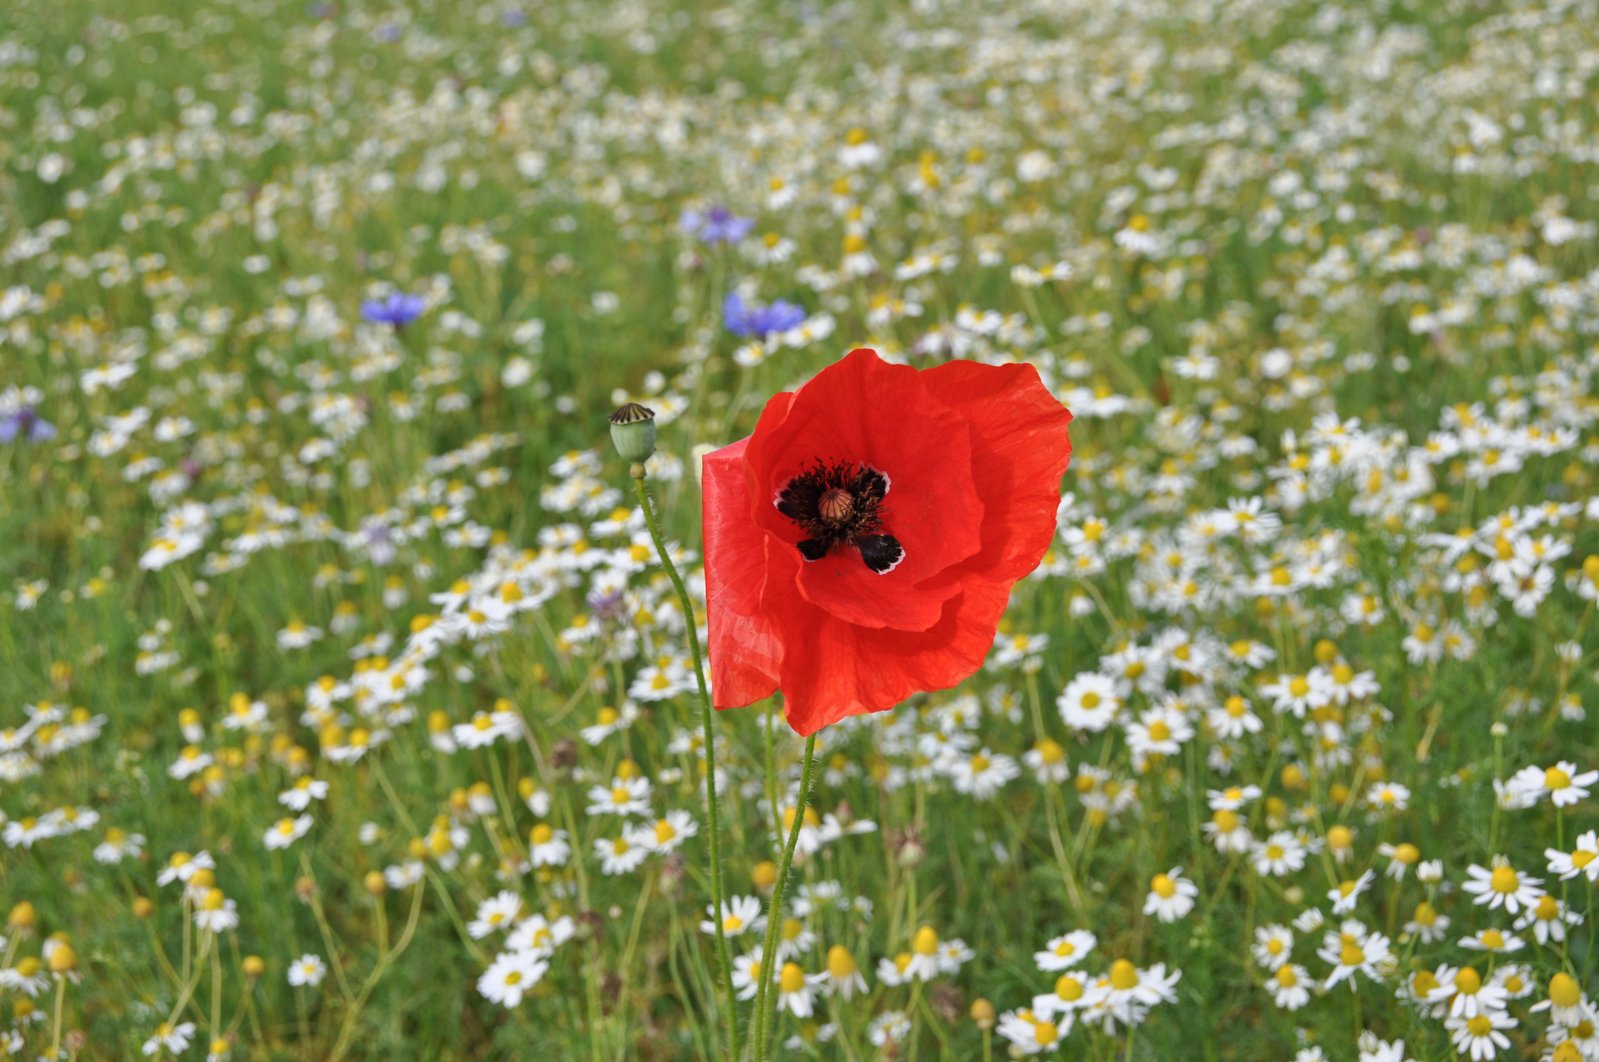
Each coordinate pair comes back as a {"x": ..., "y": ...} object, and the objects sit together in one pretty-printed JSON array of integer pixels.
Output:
[
  {"x": 26, "y": 423},
  {"x": 716, "y": 225},
  {"x": 753, "y": 319},
  {"x": 398, "y": 309}
]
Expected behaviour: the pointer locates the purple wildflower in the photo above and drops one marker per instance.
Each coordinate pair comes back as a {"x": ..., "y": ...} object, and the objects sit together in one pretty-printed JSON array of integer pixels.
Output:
[
  {"x": 753, "y": 319},
  {"x": 716, "y": 225},
  {"x": 609, "y": 605},
  {"x": 398, "y": 309},
  {"x": 378, "y": 537},
  {"x": 26, "y": 423}
]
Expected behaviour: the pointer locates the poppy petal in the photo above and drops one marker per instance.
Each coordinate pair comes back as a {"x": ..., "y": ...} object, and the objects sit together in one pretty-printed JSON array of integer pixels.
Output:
[
  {"x": 852, "y": 411},
  {"x": 1020, "y": 450},
  {"x": 744, "y": 648},
  {"x": 848, "y": 618},
  {"x": 836, "y": 669}
]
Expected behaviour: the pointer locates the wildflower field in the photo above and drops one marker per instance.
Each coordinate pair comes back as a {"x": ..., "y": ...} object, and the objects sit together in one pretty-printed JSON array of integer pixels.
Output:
[{"x": 348, "y": 709}]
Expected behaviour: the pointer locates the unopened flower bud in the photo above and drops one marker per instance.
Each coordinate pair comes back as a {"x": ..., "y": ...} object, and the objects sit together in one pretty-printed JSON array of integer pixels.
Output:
[
  {"x": 908, "y": 848},
  {"x": 672, "y": 871},
  {"x": 633, "y": 432},
  {"x": 983, "y": 1013}
]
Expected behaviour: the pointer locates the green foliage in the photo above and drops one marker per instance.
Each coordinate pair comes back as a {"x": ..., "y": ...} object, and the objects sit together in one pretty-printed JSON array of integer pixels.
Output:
[{"x": 1211, "y": 227}]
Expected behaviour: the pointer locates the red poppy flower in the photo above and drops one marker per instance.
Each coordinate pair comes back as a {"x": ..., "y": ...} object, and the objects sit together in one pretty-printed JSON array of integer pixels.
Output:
[{"x": 861, "y": 545}]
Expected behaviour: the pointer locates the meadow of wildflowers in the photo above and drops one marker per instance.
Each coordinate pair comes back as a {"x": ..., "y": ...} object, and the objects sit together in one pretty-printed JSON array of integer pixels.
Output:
[{"x": 348, "y": 709}]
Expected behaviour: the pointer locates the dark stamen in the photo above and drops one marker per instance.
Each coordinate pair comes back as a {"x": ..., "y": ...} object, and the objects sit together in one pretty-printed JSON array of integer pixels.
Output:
[
  {"x": 841, "y": 504},
  {"x": 882, "y": 553}
]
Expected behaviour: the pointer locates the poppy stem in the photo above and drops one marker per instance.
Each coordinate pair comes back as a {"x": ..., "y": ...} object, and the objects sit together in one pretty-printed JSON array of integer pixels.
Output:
[
  {"x": 724, "y": 957},
  {"x": 774, "y": 914}
]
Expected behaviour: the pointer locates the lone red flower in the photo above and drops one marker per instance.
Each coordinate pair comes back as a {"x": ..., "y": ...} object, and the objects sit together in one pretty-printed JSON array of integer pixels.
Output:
[{"x": 861, "y": 545}]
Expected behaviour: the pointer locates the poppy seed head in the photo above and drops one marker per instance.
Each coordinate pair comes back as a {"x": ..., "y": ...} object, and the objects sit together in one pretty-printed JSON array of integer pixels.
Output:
[
  {"x": 632, "y": 413},
  {"x": 835, "y": 506},
  {"x": 633, "y": 432}
]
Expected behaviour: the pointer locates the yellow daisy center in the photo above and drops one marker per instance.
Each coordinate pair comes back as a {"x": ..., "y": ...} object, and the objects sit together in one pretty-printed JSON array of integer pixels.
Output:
[{"x": 792, "y": 978}]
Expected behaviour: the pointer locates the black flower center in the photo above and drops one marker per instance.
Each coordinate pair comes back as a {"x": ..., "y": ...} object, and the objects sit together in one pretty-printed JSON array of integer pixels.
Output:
[{"x": 841, "y": 505}]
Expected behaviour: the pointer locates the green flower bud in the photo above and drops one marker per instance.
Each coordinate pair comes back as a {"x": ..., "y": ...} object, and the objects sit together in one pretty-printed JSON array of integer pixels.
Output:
[{"x": 633, "y": 432}]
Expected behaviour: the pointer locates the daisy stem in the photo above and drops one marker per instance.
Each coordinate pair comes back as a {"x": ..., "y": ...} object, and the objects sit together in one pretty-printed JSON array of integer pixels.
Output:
[
  {"x": 937, "y": 1026},
  {"x": 774, "y": 914},
  {"x": 675, "y": 945},
  {"x": 1587, "y": 961},
  {"x": 386, "y": 955},
  {"x": 326, "y": 930},
  {"x": 216, "y": 992},
  {"x": 1499, "y": 766},
  {"x": 845, "y": 1044},
  {"x": 1560, "y": 843},
  {"x": 591, "y": 991},
  {"x": 189, "y": 986},
  {"x": 1104, "y": 609},
  {"x": 647, "y": 504},
  {"x": 183, "y": 978},
  {"x": 61, "y": 999},
  {"x": 911, "y": 1010},
  {"x": 632, "y": 941},
  {"x": 1054, "y": 808}
]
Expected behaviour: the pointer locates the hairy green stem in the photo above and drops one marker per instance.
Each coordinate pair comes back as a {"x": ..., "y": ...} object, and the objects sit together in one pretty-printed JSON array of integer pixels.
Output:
[{"x": 724, "y": 957}]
